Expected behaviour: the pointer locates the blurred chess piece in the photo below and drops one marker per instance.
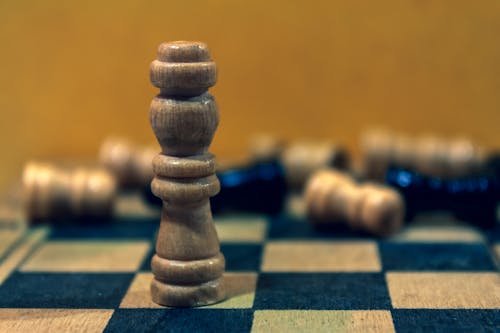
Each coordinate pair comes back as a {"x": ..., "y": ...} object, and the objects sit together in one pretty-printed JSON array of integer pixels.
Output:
[
  {"x": 51, "y": 192},
  {"x": 300, "y": 159},
  {"x": 333, "y": 198},
  {"x": 265, "y": 147},
  {"x": 427, "y": 154},
  {"x": 473, "y": 199},
  {"x": 450, "y": 158},
  {"x": 259, "y": 187},
  {"x": 131, "y": 164},
  {"x": 376, "y": 148}
]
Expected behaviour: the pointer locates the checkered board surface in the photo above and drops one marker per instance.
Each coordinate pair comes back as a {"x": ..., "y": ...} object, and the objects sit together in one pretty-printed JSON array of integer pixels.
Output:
[{"x": 282, "y": 276}]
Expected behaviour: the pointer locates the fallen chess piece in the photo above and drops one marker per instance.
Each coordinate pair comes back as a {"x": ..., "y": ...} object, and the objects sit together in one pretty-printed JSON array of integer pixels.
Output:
[
  {"x": 300, "y": 159},
  {"x": 258, "y": 188},
  {"x": 131, "y": 164},
  {"x": 431, "y": 155},
  {"x": 51, "y": 192},
  {"x": 333, "y": 198},
  {"x": 472, "y": 199}
]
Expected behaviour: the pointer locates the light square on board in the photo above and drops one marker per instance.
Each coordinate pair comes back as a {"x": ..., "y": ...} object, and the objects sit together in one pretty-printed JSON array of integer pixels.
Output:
[
  {"x": 53, "y": 320},
  {"x": 240, "y": 289},
  {"x": 322, "y": 321},
  {"x": 321, "y": 256},
  {"x": 433, "y": 234},
  {"x": 241, "y": 228},
  {"x": 87, "y": 256},
  {"x": 415, "y": 290}
]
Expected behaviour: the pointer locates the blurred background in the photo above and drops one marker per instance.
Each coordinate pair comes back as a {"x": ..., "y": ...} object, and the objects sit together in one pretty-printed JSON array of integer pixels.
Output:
[{"x": 76, "y": 72}]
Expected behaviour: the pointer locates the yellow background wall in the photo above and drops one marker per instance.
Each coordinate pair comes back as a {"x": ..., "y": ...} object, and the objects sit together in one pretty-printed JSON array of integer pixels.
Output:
[{"x": 73, "y": 72}]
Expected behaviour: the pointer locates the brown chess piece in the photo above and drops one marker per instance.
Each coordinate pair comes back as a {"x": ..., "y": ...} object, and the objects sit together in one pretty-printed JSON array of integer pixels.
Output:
[
  {"x": 188, "y": 265},
  {"x": 302, "y": 158},
  {"x": 427, "y": 154},
  {"x": 131, "y": 164},
  {"x": 334, "y": 198},
  {"x": 265, "y": 147},
  {"x": 53, "y": 192}
]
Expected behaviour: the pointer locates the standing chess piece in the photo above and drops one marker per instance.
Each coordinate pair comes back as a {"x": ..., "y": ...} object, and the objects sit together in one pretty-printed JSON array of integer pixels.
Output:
[{"x": 188, "y": 265}]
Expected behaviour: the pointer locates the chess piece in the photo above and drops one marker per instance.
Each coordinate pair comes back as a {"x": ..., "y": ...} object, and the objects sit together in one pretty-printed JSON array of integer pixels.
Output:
[
  {"x": 259, "y": 187},
  {"x": 427, "y": 154},
  {"x": 473, "y": 199},
  {"x": 129, "y": 163},
  {"x": 333, "y": 198},
  {"x": 303, "y": 158},
  {"x": 376, "y": 147},
  {"x": 188, "y": 265},
  {"x": 265, "y": 147},
  {"x": 54, "y": 193},
  {"x": 451, "y": 158}
]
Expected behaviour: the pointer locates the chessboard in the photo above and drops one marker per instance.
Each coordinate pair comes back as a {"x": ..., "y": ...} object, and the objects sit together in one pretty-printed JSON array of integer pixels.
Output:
[{"x": 282, "y": 275}]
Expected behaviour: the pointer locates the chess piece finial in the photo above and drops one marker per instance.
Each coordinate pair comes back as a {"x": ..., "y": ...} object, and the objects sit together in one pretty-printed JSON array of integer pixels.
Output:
[
  {"x": 333, "y": 197},
  {"x": 188, "y": 265}
]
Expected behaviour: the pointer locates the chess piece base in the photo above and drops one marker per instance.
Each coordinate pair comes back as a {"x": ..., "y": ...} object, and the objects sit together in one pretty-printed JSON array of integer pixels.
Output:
[{"x": 188, "y": 296}]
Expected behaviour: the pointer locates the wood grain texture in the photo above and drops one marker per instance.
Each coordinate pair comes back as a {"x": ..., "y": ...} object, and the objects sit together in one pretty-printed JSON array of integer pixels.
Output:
[
  {"x": 445, "y": 290},
  {"x": 322, "y": 321},
  {"x": 302, "y": 256},
  {"x": 188, "y": 265},
  {"x": 240, "y": 290},
  {"x": 87, "y": 256},
  {"x": 53, "y": 320}
]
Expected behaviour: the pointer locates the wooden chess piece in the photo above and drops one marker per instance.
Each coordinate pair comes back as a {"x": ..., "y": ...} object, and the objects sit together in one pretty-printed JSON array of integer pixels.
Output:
[
  {"x": 427, "y": 154},
  {"x": 333, "y": 198},
  {"x": 188, "y": 265},
  {"x": 131, "y": 164},
  {"x": 302, "y": 158},
  {"x": 51, "y": 192},
  {"x": 376, "y": 148},
  {"x": 265, "y": 147}
]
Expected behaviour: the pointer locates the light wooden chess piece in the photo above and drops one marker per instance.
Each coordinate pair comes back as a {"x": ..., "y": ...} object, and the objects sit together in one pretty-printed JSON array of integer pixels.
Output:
[
  {"x": 333, "y": 197},
  {"x": 427, "y": 154},
  {"x": 302, "y": 158},
  {"x": 53, "y": 192},
  {"x": 131, "y": 164},
  {"x": 188, "y": 265}
]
